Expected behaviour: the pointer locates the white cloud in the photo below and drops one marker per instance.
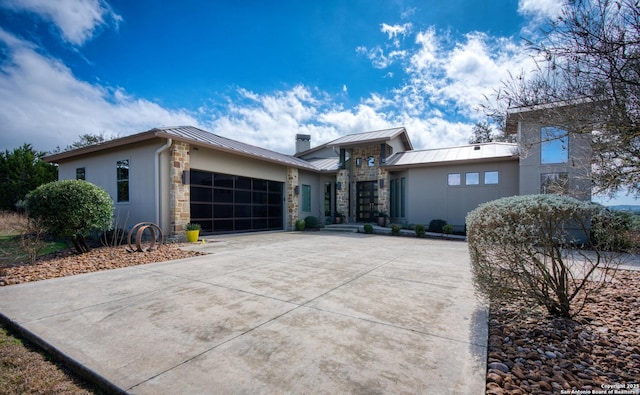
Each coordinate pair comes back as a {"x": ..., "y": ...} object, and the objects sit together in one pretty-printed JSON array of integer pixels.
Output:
[
  {"x": 76, "y": 19},
  {"x": 46, "y": 105},
  {"x": 540, "y": 9},
  {"x": 393, "y": 31}
]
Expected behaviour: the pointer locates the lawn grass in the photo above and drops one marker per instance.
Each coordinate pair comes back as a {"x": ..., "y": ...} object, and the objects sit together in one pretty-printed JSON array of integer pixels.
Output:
[
  {"x": 12, "y": 251},
  {"x": 25, "y": 371}
]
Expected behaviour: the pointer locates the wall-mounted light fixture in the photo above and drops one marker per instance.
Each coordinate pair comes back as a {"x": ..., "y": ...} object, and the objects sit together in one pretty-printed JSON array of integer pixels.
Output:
[
  {"x": 296, "y": 189},
  {"x": 186, "y": 175},
  {"x": 358, "y": 162},
  {"x": 338, "y": 185},
  {"x": 381, "y": 182}
]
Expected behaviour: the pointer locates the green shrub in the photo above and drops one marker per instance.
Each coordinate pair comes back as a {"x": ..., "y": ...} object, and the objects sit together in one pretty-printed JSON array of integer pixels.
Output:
[
  {"x": 537, "y": 249},
  {"x": 311, "y": 222},
  {"x": 420, "y": 230},
  {"x": 436, "y": 225},
  {"x": 368, "y": 228},
  {"x": 301, "y": 224},
  {"x": 447, "y": 229},
  {"x": 70, "y": 209},
  {"x": 192, "y": 226},
  {"x": 621, "y": 221},
  {"x": 395, "y": 229}
]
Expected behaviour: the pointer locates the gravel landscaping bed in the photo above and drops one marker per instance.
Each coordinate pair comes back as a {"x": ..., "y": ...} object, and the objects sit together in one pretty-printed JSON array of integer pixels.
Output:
[
  {"x": 104, "y": 258},
  {"x": 598, "y": 351}
]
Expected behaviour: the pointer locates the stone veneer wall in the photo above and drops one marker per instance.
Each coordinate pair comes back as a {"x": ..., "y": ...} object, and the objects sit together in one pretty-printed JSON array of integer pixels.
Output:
[
  {"x": 373, "y": 173},
  {"x": 179, "y": 193},
  {"x": 293, "y": 200},
  {"x": 342, "y": 194}
]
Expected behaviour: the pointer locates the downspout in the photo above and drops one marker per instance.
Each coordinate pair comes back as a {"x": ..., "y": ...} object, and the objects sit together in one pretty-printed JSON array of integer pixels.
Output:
[{"x": 157, "y": 179}]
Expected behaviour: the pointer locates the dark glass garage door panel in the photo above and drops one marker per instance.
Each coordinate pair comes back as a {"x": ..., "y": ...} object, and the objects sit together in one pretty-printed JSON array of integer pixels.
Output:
[
  {"x": 226, "y": 203},
  {"x": 201, "y": 210},
  {"x": 222, "y": 195},
  {"x": 243, "y": 183},
  {"x": 201, "y": 194},
  {"x": 200, "y": 178},
  {"x": 223, "y": 180}
]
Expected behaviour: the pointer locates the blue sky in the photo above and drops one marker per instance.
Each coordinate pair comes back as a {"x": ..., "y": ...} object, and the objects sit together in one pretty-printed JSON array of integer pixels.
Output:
[{"x": 257, "y": 71}]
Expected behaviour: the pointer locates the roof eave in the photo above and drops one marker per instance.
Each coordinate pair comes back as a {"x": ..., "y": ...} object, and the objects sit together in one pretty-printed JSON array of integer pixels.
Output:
[
  {"x": 452, "y": 162},
  {"x": 197, "y": 143},
  {"x": 136, "y": 138}
]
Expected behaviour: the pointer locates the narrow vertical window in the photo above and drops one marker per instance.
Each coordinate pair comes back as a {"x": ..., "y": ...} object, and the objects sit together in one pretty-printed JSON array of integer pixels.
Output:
[
  {"x": 306, "y": 198},
  {"x": 122, "y": 180},
  {"x": 80, "y": 173},
  {"x": 402, "y": 196},
  {"x": 554, "y": 146}
]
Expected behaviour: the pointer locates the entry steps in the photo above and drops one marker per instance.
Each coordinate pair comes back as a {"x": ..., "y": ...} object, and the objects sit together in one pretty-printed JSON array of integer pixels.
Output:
[{"x": 352, "y": 228}]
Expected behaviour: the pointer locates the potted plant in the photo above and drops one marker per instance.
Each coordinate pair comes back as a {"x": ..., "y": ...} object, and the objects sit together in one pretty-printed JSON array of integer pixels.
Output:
[
  {"x": 339, "y": 217},
  {"x": 382, "y": 217},
  {"x": 193, "y": 231}
]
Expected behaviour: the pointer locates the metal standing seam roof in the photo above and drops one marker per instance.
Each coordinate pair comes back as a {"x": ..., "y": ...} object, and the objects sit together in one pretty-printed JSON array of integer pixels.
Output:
[
  {"x": 193, "y": 134},
  {"x": 363, "y": 138},
  {"x": 328, "y": 164},
  {"x": 485, "y": 151}
]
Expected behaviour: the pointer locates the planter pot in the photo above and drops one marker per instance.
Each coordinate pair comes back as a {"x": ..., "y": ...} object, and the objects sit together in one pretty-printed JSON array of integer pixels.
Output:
[
  {"x": 382, "y": 221},
  {"x": 338, "y": 220},
  {"x": 192, "y": 235}
]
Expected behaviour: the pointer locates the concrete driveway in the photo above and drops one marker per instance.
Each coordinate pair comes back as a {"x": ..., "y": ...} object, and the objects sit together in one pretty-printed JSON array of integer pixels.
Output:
[{"x": 311, "y": 312}]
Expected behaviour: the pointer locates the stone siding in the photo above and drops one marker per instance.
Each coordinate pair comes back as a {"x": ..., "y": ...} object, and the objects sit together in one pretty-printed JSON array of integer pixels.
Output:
[
  {"x": 293, "y": 200},
  {"x": 179, "y": 193},
  {"x": 371, "y": 173}
]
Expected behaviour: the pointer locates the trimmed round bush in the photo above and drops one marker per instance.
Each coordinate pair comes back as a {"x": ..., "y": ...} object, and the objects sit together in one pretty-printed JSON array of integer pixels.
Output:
[
  {"x": 70, "y": 209},
  {"x": 368, "y": 228},
  {"x": 312, "y": 222},
  {"x": 300, "y": 224},
  {"x": 537, "y": 249},
  {"x": 395, "y": 229},
  {"x": 436, "y": 225},
  {"x": 420, "y": 230}
]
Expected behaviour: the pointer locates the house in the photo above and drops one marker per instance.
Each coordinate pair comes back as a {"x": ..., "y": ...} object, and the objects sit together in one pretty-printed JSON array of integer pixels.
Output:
[{"x": 175, "y": 175}]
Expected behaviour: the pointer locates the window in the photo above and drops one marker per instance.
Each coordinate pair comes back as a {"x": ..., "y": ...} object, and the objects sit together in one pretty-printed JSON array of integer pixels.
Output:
[
  {"x": 397, "y": 191},
  {"x": 472, "y": 178},
  {"x": 306, "y": 198},
  {"x": 122, "y": 180},
  {"x": 554, "y": 146},
  {"x": 491, "y": 177},
  {"x": 554, "y": 183},
  {"x": 80, "y": 173},
  {"x": 328, "y": 200},
  {"x": 454, "y": 179}
]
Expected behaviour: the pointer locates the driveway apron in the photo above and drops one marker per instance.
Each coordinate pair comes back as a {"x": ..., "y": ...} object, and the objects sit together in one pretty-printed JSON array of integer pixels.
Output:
[{"x": 284, "y": 312}]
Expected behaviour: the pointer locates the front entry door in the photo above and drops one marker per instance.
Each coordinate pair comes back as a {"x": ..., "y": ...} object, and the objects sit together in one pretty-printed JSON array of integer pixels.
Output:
[{"x": 367, "y": 200}]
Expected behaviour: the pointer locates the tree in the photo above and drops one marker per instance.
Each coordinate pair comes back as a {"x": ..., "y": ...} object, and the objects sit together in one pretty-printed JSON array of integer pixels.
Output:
[
  {"x": 546, "y": 250},
  {"x": 589, "y": 58},
  {"x": 21, "y": 171},
  {"x": 85, "y": 140},
  {"x": 70, "y": 209},
  {"x": 482, "y": 133}
]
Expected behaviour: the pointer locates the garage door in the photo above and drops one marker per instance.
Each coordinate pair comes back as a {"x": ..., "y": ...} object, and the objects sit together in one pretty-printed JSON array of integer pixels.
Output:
[{"x": 224, "y": 203}]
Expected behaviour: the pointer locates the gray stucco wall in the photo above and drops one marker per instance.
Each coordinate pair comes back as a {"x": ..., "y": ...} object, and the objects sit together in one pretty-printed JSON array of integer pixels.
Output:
[
  {"x": 100, "y": 169},
  {"x": 531, "y": 168},
  {"x": 430, "y": 197},
  {"x": 317, "y": 195}
]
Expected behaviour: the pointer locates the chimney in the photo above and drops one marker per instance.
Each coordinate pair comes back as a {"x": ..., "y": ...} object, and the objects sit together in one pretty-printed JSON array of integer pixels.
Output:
[{"x": 303, "y": 142}]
